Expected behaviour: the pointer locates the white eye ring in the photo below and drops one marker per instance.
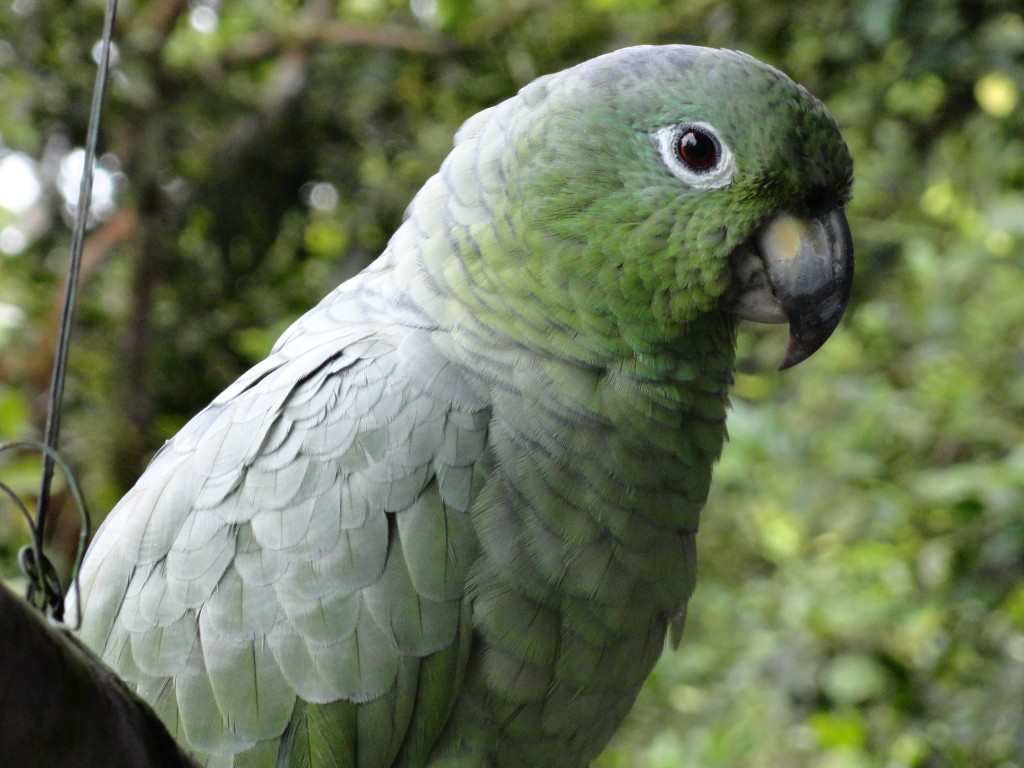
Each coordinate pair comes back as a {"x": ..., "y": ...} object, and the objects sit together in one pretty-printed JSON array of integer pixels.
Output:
[{"x": 716, "y": 176}]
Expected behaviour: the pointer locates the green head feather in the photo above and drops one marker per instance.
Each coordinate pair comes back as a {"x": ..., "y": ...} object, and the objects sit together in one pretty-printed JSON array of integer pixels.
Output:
[{"x": 593, "y": 225}]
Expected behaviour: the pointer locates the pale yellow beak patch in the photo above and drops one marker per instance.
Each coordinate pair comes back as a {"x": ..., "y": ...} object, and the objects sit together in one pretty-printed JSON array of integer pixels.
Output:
[{"x": 784, "y": 237}]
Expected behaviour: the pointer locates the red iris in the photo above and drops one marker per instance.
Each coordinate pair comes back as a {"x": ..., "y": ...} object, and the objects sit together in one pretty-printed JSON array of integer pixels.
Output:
[{"x": 697, "y": 149}]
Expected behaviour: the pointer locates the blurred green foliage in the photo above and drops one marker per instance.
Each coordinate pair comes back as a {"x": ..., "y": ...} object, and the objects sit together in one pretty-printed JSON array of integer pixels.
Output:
[{"x": 861, "y": 600}]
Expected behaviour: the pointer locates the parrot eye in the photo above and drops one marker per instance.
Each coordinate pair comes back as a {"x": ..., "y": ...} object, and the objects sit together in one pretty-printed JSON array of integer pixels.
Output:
[
  {"x": 698, "y": 149},
  {"x": 695, "y": 155}
]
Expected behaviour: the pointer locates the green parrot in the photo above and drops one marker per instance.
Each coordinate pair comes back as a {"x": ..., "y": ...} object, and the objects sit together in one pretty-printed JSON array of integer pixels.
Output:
[{"x": 452, "y": 517}]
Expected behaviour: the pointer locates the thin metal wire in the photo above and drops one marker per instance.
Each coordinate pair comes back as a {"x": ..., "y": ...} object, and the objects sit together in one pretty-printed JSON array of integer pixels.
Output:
[
  {"x": 40, "y": 572},
  {"x": 56, "y": 394}
]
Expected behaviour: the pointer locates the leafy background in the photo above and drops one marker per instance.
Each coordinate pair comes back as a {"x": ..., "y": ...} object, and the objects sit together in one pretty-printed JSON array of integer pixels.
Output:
[{"x": 860, "y": 600}]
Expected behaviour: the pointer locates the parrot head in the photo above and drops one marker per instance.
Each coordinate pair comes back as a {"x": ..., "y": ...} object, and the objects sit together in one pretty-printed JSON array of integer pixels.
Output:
[{"x": 673, "y": 181}]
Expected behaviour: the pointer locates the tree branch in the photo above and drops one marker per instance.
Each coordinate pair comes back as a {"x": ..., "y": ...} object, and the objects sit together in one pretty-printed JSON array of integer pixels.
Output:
[
  {"x": 63, "y": 709},
  {"x": 334, "y": 32}
]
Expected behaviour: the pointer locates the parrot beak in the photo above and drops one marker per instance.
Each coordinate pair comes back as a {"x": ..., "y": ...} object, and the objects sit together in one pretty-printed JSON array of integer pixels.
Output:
[{"x": 797, "y": 271}]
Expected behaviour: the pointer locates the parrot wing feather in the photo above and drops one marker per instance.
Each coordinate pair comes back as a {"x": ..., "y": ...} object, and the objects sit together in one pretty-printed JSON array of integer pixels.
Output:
[{"x": 291, "y": 568}]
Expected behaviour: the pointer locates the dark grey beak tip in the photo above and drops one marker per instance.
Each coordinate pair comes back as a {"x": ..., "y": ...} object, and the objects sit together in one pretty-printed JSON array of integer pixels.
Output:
[
  {"x": 795, "y": 353},
  {"x": 808, "y": 331},
  {"x": 799, "y": 350}
]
